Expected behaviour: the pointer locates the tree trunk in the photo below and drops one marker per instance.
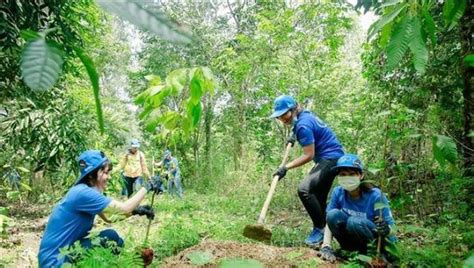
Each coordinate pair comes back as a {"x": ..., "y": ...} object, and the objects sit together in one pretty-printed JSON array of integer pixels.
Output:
[
  {"x": 467, "y": 48},
  {"x": 207, "y": 135}
]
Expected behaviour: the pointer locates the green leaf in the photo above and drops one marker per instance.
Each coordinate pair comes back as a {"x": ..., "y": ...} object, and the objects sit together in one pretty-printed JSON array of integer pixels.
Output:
[
  {"x": 177, "y": 80},
  {"x": 196, "y": 112},
  {"x": 429, "y": 24},
  {"x": 153, "y": 79},
  {"x": 380, "y": 23},
  {"x": 195, "y": 86},
  {"x": 444, "y": 149},
  {"x": 4, "y": 211},
  {"x": 469, "y": 60},
  {"x": 199, "y": 257},
  {"x": 136, "y": 13},
  {"x": 94, "y": 78},
  {"x": 13, "y": 195},
  {"x": 41, "y": 64},
  {"x": 29, "y": 35},
  {"x": 26, "y": 186},
  {"x": 399, "y": 42},
  {"x": 240, "y": 263},
  {"x": 385, "y": 34},
  {"x": 380, "y": 205},
  {"x": 452, "y": 12},
  {"x": 469, "y": 262},
  {"x": 418, "y": 46},
  {"x": 364, "y": 258}
]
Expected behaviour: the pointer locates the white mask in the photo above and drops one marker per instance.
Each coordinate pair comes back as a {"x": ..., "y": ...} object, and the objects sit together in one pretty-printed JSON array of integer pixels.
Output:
[{"x": 349, "y": 183}]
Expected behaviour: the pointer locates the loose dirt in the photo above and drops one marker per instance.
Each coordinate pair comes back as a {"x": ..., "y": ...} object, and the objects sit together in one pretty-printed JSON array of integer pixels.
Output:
[{"x": 269, "y": 256}]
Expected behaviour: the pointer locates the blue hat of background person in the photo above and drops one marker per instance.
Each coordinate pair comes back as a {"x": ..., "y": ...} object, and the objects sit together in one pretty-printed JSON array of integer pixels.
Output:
[
  {"x": 283, "y": 104},
  {"x": 166, "y": 154},
  {"x": 349, "y": 161},
  {"x": 134, "y": 143},
  {"x": 89, "y": 161}
]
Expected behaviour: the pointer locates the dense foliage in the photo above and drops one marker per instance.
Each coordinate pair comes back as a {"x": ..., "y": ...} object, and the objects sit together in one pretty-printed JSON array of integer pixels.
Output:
[{"x": 204, "y": 87}]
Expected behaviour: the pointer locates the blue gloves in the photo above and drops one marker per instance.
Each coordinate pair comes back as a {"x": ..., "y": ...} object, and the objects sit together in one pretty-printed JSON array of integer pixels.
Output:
[{"x": 381, "y": 226}]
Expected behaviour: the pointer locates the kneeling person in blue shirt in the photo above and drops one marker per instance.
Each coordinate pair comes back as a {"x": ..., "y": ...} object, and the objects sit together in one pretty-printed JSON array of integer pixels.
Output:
[
  {"x": 351, "y": 214},
  {"x": 72, "y": 218}
]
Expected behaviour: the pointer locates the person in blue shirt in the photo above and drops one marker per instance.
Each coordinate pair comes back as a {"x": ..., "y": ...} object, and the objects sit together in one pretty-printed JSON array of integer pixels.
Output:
[
  {"x": 173, "y": 174},
  {"x": 321, "y": 146},
  {"x": 352, "y": 215},
  {"x": 72, "y": 218}
]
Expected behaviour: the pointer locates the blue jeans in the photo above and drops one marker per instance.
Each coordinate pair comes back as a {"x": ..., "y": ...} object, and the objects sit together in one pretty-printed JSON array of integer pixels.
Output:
[
  {"x": 174, "y": 185},
  {"x": 352, "y": 233}
]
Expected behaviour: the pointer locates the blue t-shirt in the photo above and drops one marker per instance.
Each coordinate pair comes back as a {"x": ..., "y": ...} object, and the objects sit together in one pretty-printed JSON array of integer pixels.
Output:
[
  {"x": 71, "y": 220},
  {"x": 362, "y": 207},
  {"x": 172, "y": 165},
  {"x": 309, "y": 129}
]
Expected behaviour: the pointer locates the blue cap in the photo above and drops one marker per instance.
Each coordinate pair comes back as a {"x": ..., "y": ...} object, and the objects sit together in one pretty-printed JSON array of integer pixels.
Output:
[
  {"x": 166, "y": 154},
  {"x": 282, "y": 105},
  {"x": 89, "y": 161},
  {"x": 349, "y": 161},
  {"x": 134, "y": 143}
]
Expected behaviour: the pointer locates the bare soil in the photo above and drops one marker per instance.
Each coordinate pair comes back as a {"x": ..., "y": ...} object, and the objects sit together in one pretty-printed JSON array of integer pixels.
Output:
[{"x": 268, "y": 256}]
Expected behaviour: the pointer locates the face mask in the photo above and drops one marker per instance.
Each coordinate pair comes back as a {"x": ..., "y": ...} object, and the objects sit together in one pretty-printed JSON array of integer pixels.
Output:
[{"x": 349, "y": 183}]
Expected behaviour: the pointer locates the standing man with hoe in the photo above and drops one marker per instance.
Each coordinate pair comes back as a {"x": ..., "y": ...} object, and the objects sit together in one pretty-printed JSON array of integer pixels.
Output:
[{"x": 319, "y": 144}]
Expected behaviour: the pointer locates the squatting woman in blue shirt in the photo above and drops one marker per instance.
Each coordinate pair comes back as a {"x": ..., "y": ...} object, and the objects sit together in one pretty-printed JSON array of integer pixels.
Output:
[
  {"x": 353, "y": 217},
  {"x": 72, "y": 218}
]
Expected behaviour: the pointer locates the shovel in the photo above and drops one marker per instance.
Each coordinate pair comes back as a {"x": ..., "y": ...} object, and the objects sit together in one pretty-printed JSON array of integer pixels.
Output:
[{"x": 259, "y": 231}]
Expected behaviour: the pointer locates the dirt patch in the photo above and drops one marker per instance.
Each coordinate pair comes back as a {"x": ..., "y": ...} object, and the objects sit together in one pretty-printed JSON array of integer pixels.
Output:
[{"x": 213, "y": 253}]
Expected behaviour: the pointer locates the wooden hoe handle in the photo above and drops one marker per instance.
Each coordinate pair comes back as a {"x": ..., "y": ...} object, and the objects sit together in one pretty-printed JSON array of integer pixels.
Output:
[{"x": 263, "y": 213}]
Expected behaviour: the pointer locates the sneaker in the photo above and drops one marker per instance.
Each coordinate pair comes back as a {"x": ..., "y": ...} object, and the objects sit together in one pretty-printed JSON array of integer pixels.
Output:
[{"x": 315, "y": 237}]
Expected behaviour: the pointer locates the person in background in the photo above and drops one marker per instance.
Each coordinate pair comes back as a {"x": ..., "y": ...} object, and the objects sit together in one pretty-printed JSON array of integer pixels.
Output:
[
  {"x": 320, "y": 145},
  {"x": 73, "y": 217},
  {"x": 172, "y": 172},
  {"x": 133, "y": 167},
  {"x": 353, "y": 217}
]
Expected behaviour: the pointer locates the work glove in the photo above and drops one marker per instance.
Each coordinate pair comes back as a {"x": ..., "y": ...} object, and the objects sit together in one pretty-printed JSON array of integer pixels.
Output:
[
  {"x": 151, "y": 186},
  {"x": 327, "y": 254},
  {"x": 291, "y": 140},
  {"x": 145, "y": 210},
  {"x": 281, "y": 172},
  {"x": 381, "y": 226}
]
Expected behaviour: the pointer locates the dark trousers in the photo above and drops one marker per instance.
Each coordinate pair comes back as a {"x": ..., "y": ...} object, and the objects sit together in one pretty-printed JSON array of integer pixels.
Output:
[
  {"x": 352, "y": 233},
  {"x": 129, "y": 183},
  {"x": 313, "y": 190}
]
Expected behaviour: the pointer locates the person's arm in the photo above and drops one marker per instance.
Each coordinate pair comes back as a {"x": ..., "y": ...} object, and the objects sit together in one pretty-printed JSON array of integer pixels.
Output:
[
  {"x": 121, "y": 164},
  {"x": 307, "y": 156},
  {"x": 103, "y": 217},
  {"x": 129, "y": 205},
  {"x": 144, "y": 166}
]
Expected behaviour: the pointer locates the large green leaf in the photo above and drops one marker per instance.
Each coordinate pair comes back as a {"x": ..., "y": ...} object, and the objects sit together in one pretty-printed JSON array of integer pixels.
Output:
[
  {"x": 199, "y": 257},
  {"x": 444, "y": 150},
  {"x": 418, "y": 46},
  {"x": 429, "y": 23},
  {"x": 384, "y": 20},
  {"x": 399, "y": 42},
  {"x": 196, "y": 88},
  {"x": 469, "y": 60},
  {"x": 453, "y": 11},
  {"x": 41, "y": 64},
  {"x": 240, "y": 263},
  {"x": 94, "y": 78},
  {"x": 136, "y": 12}
]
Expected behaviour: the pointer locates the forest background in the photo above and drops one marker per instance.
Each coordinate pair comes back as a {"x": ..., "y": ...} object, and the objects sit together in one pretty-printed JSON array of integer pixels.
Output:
[{"x": 400, "y": 94}]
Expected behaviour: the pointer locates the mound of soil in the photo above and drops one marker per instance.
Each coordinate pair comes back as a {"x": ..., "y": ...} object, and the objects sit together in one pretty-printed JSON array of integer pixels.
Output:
[{"x": 269, "y": 256}]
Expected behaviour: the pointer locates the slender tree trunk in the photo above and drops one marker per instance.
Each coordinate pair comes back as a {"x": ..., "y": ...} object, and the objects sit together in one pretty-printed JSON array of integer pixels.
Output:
[
  {"x": 207, "y": 136},
  {"x": 467, "y": 48}
]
